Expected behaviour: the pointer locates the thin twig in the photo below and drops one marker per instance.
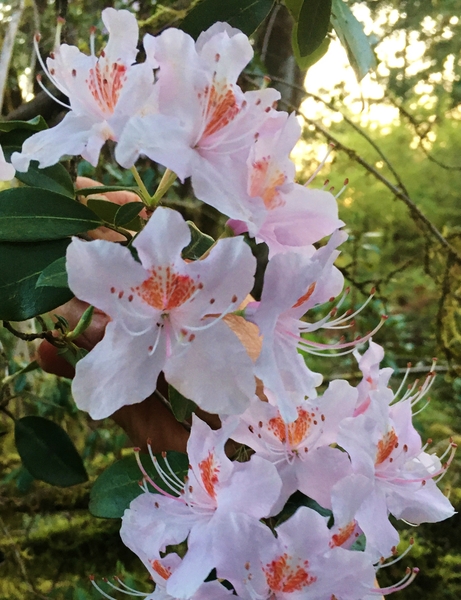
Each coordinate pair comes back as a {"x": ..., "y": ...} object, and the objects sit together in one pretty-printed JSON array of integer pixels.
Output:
[
  {"x": 30, "y": 337},
  {"x": 415, "y": 211},
  {"x": 350, "y": 122},
  {"x": 416, "y": 125}
]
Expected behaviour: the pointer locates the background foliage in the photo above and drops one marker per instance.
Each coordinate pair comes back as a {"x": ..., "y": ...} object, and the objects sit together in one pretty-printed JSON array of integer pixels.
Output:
[{"x": 398, "y": 171}]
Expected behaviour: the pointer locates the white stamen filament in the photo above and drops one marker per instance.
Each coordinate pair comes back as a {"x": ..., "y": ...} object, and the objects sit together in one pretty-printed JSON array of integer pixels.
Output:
[
  {"x": 127, "y": 587},
  {"x": 173, "y": 474},
  {"x": 208, "y": 325},
  {"x": 57, "y": 36},
  {"x": 135, "y": 333},
  {"x": 128, "y": 592},
  {"x": 92, "y": 37},
  {"x": 346, "y": 183},
  {"x": 152, "y": 482},
  {"x": 422, "y": 408},
  {"x": 400, "y": 585},
  {"x": 44, "y": 67},
  {"x": 131, "y": 592},
  {"x": 156, "y": 343},
  {"x": 401, "y": 386},
  {"x": 320, "y": 167},
  {"x": 399, "y": 558},
  {"x": 174, "y": 487},
  {"x": 47, "y": 91}
]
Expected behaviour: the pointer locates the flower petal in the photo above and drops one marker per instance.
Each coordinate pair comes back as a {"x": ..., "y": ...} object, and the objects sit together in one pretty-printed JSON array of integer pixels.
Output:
[
  {"x": 117, "y": 372},
  {"x": 161, "y": 241},
  {"x": 70, "y": 136},
  {"x": 229, "y": 382}
]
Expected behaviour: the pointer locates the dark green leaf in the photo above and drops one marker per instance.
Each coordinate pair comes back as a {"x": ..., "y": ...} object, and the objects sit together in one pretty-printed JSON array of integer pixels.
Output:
[
  {"x": 246, "y": 15},
  {"x": 294, "y": 502},
  {"x": 294, "y": 6},
  {"x": 118, "y": 485},
  {"x": 48, "y": 453},
  {"x": 127, "y": 212},
  {"x": 55, "y": 275},
  {"x": 304, "y": 62},
  {"x": 14, "y": 133},
  {"x": 102, "y": 189},
  {"x": 182, "y": 407},
  {"x": 104, "y": 209},
  {"x": 30, "y": 367},
  {"x": 199, "y": 244},
  {"x": 24, "y": 480},
  {"x": 20, "y": 267},
  {"x": 36, "y": 124},
  {"x": 312, "y": 25},
  {"x": 353, "y": 38},
  {"x": 54, "y": 178},
  {"x": 33, "y": 214}
]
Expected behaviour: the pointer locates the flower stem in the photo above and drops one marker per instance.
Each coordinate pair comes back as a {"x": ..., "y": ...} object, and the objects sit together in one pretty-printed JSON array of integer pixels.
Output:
[
  {"x": 165, "y": 183},
  {"x": 146, "y": 197}
]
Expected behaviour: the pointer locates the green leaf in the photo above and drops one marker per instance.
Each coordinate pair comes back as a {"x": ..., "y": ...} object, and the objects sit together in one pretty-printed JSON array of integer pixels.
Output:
[
  {"x": 199, "y": 244},
  {"x": 102, "y": 189},
  {"x": 182, "y": 407},
  {"x": 36, "y": 124},
  {"x": 20, "y": 267},
  {"x": 105, "y": 209},
  {"x": 48, "y": 453},
  {"x": 304, "y": 62},
  {"x": 127, "y": 212},
  {"x": 29, "y": 367},
  {"x": 118, "y": 485},
  {"x": 294, "y": 6},
  {"x": 54, "y": 178},
  {"x": 14, "y": 133},
  {"x": 312, "y": 25},
  {"x": 55, "y": 275},
  {"x": 33, "y": 214},
  {"x": 246, "y": 15},
  {"x": 353, "y": 38}
]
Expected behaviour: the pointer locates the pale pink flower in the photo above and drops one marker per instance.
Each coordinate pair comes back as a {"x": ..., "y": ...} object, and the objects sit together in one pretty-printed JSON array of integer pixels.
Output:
[
  {"x": 385, "y": 449},
  {"x": 161, "y": 569},
  {"x": 374, "y": 378},
  {"x": 300, "y": 450},
  {"x": 285, "y": 215},
  {"x": 166, "y": 315},
  {"x": 206, "y": 125},
  {"x": 286, "y": 297},
  {"x": 7, "y": 170},
  {"x": 218, "y": 509},
  {"x": 104, "y": 92},
  {"x": 301, "y": 565}
]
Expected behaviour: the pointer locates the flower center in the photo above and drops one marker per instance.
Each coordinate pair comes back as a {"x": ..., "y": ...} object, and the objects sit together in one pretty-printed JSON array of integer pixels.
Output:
[
  {"x": 105, "y": 84},
  {"x": 209, "y": 471},
  {"x": 297, "y": 431},
  {"x": 385, "y": 447},
  {"x": 221, "y": 108},
  {"x": 165, "y": 289},
  {"x": 264, "y": 182},
  {"x": 283, "y": 577}
]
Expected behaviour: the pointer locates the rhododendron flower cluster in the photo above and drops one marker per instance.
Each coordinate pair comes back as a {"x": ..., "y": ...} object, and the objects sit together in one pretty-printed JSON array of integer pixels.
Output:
[{"x": 351, "y": 452}]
